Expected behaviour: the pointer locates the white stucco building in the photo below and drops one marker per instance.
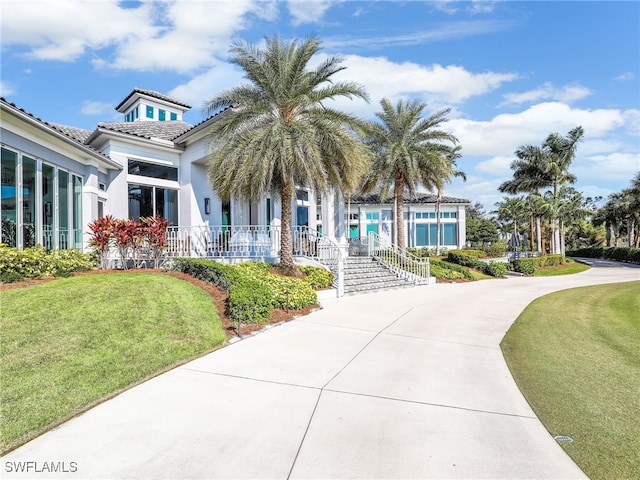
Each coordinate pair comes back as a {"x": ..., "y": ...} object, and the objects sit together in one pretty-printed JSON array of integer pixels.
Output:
[{"x": 57, "y": 179}]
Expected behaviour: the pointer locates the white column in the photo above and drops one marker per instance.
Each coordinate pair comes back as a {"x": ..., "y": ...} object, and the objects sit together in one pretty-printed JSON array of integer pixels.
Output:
[{"x": 328, "y": 215}]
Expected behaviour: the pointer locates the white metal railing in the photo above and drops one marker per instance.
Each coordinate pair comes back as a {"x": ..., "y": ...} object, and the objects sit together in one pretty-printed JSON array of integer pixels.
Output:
[
  {"x": 399, "y": 261},
  {"x": 308, "y": 242}
]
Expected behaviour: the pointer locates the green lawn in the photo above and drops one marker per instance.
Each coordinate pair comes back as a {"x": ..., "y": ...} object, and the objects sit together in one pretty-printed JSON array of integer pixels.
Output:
[
  {"x": 575, "y": 355},
  {"x": 70, "y": 343},
  {"x": 567, "y": 269}
]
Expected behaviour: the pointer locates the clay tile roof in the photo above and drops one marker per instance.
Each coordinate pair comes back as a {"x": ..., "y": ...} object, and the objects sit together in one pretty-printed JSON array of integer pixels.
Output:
[
  {"x": 422, "y": 198},
  {"x": 154, "y": 94},
  {"x": 79, "y": 134},
  {"x": 149, "y": 129}
]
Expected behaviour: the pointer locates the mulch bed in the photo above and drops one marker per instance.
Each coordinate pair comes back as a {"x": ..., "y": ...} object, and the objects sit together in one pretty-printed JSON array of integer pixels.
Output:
[{"x": 218, "y": 296}]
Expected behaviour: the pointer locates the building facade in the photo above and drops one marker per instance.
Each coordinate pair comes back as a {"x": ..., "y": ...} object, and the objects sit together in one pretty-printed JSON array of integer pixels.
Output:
[{"x": 57, "y": 179}]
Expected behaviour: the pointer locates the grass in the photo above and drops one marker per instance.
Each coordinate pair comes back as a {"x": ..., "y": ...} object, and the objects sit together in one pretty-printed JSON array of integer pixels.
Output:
[
  {"x": 575, "y": 356},
  {"x": 568, "y": 268},
  {"x": 68, "y": 344}
]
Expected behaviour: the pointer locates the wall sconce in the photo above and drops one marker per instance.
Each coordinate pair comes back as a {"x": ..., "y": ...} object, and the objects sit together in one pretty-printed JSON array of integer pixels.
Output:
[{"x": 207, "y": 206}]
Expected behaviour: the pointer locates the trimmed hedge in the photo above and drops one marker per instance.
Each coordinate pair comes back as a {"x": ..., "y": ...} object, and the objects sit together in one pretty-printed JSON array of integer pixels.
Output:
[
  {"x": 36, "y": 262},
  {"x": 620, "y": 254},
  {"x": 461, "y": 257},
  {"x": 253, "y": 291},
  {"x": 448, "y": 271},
  {"x": 317, "y": 277},
  {"x": 529, "y": 265}
]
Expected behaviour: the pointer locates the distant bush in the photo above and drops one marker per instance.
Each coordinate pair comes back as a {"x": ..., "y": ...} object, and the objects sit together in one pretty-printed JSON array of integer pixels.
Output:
[
  {"x": 621, "y": 254},
  {"x": 526, "y": 266},
  {"x": 494, "y": 250},
  {"x": 448, "y": 271},
  {"x": 461, "y": 257}
]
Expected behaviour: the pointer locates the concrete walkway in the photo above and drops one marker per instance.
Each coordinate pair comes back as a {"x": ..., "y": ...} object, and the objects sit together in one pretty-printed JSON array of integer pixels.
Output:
[{"x": 401, "y": 384}]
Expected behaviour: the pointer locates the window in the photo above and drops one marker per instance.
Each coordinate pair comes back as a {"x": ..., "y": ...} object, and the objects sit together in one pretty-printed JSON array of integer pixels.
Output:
[
  {"x": 372, "y": 216},
  {"x": 162, "y": 115},
  {"x": 37, "y": 208},
  {"x": 149, "y": 111},
  {"x": 226, "y": 214},
  {"x": 9, "y": 206},
  {"x": 302, "y": 216},
  {"x": 147, "y": 201},
  {"x": 302, "y": 195},
  {"x": 152, "y": 170},
  {"x": 135, "y": 113},
  {"x": 173, "y": 116}
]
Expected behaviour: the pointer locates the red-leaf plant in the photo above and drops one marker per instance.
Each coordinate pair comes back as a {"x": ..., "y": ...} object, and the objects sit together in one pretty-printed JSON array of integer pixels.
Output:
[
  {"x": 101, "y": 236},
  {"x": 124, "y": 233},
  {"x": 155, "y": 232}
]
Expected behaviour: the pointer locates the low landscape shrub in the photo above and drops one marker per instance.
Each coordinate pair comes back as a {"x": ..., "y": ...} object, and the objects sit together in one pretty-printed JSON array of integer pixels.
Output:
[
  {"x": 35, "y": 262},
  {"x": 448, "y": 271},
  {"x": 495, "y": 269},
  {"x": 253, "y": 291},
  {"x": 493, "y": 251},
  {"x": 621, "y": 254},
  {"x": 526, "y": 266},
  {"x": 317, "y": 277}
]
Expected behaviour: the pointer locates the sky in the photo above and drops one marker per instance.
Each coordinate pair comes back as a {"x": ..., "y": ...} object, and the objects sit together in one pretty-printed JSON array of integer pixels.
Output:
[{"x": 511, "y": 72}]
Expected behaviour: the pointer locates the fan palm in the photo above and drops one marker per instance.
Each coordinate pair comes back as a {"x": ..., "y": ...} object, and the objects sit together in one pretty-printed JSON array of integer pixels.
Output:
[
  {"x": 409, "y": 151},
  {"x": 280, "y": 132}
]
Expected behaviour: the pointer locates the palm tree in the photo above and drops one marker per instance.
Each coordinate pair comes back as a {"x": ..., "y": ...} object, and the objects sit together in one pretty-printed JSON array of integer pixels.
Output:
[
  {"x": 547, "y": 166},
  {"x": 511, "y": 211},
  {"x": 409, "y": 151},
  {"x": 280, "y": 133}
]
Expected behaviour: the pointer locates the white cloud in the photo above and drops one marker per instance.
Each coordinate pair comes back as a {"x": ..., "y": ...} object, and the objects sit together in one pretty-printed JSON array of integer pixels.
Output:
[
  {"x": 499, "y": 165},
  {"x": 503, "y": 134},
  {"x": 611, "y": 167},
  {"x": 308, "y": 11},
  {"x": 435, "y": 84},
  {"x": 89, "y": 107},
  {"x": 625, "y": 77},
  {"x": 567, "y": 94},
  {"x": 6, "y": 89},
  {"x": 63, "y": 30},
  {"x": 176, "y": 35},
  {"x": 204, "y": 86}
]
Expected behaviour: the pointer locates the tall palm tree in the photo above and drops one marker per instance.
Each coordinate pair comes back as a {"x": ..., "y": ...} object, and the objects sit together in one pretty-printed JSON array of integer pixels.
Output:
[
  {"x": 546, "y": 166},
  {"x": 511, "y": 211},
  {"x": 281, "y": 133},
  {"x": 409, "y": 151}
]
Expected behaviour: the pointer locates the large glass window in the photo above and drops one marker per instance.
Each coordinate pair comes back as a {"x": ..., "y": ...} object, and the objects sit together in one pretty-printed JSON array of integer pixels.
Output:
[
  {"x": 153, "y": 170},
  {"x": 146, "y": 201},
  {"x": 9, "y": 197},
  {"x": 77, "y": 211},
  {"x": 29, "y": 218},
  {"x": 48, "y": 206},
  {"x": 63, "y": 209},
  {"x": 422, "y": 233}
]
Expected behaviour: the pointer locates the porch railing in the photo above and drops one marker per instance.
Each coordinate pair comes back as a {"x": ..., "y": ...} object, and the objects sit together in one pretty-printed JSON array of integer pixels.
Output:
[{"x": 401, "y": 262}]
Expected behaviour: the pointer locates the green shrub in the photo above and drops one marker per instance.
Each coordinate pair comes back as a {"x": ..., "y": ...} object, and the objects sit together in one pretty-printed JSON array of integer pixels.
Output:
[
  {"x": 448, "y": 271},
  {"x": 495, "y": 269},
  {"x": 494, "y": 251},
  {"x": 317, "y": 277},
  {"x": 622, "y": 254},
  {"x": 468, "y": 252},
  {"x": 526, "y": 266},
  {"x": 35, "y": 262},
  {"x": 10, "y": 277},
  {"x": 249, "y": 302}
]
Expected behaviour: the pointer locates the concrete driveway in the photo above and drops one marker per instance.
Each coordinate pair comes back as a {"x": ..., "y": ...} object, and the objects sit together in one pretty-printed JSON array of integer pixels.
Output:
[{"x": 401, "y": 384}]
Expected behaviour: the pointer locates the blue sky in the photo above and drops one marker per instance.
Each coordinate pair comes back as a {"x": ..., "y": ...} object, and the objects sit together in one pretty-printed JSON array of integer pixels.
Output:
[{"x": 512, "y": 72}]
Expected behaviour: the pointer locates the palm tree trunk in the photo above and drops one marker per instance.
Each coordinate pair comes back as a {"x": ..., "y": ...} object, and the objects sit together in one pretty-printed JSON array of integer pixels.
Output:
[
  {"x": 399, "y": 213},
  {"x": 438, "y": 224},
  {"x": 542, "y": 236},
  {"x": 286, "y": 244},
  {"x": 531, "y": 233},
  {"x": 538, "y": 236}
]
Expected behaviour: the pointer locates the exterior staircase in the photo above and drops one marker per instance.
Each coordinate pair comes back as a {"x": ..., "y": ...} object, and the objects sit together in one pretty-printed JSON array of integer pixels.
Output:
[{"x": 366, "y": 275}]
